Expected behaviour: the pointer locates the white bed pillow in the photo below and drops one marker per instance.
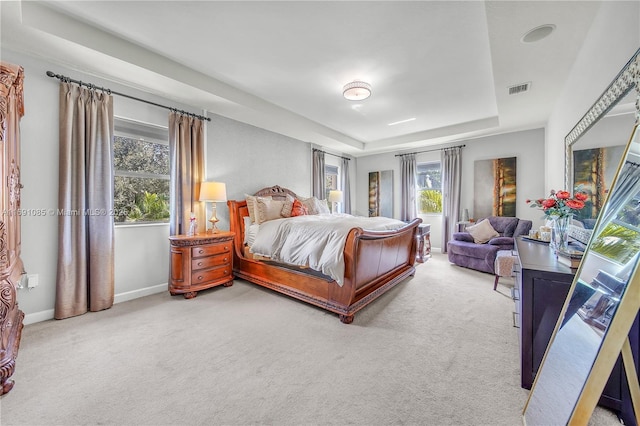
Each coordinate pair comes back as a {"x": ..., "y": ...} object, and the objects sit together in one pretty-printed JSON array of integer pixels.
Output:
[
  {"x": 247, "y": 224},
  {"x": 251, "y": 233},
  {"x": 482, "y": 231}
]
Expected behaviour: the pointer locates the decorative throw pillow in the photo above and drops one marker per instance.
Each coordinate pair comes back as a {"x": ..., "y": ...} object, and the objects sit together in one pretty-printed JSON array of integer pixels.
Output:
[
  {"x": 482, "y": 231},
  {"x": 298, "y": 209},
  {"x": 309, "y": 204},
  {"x": 286, "y": 209},
  {"x": 288, "y": 205}
]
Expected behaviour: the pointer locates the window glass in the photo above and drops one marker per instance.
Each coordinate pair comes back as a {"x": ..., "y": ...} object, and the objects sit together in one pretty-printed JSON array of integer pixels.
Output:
[
  {"x": 141, "y": 163},
  {"x": 429, "y": 187},
  {"x": 331, "y": 179}
]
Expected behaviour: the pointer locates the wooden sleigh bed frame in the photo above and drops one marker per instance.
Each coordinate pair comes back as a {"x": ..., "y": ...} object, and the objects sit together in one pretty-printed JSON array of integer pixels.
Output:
[{"x": 375, "y": 261}]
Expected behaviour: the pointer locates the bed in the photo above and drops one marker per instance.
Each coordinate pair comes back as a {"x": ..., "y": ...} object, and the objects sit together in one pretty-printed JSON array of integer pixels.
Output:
[{"x": 374, "y": 262}]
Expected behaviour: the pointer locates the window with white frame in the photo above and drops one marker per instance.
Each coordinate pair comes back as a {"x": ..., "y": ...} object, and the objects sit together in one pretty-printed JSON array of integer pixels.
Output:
[
  {"x": 142, "y": 177},
  {"x": 429, "y": 187},
  {"x": 330, "y": 179}
]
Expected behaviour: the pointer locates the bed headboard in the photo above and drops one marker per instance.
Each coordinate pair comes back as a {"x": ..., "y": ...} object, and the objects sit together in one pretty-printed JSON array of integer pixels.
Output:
[
  {"x": 277, "y": 192},
  {"x": 238, "y": 209}
]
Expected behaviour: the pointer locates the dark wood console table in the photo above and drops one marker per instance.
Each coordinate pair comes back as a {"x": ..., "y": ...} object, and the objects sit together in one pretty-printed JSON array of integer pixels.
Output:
[{"x": 541, "y": 287}]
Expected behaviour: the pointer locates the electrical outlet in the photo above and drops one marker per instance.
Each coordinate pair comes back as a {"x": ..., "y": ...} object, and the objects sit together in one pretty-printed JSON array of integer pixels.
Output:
[{"x": 32, "y": 280}]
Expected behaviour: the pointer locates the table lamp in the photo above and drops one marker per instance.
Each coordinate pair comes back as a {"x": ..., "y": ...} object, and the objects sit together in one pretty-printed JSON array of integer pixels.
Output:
[
  {"x": 335, "y": 196},
  {"x": 213, "y": 192}
]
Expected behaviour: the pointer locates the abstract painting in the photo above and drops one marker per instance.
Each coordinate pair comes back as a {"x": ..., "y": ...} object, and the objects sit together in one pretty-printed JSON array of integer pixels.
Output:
[
  {"x": 593, "y": 172},
  {"x": 495, "y": 187},
  {"x": 381, "y": 193}
]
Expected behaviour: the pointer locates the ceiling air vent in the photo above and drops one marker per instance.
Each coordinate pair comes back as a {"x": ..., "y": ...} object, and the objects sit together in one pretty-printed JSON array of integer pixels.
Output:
[{"x": 519, "y": 88}]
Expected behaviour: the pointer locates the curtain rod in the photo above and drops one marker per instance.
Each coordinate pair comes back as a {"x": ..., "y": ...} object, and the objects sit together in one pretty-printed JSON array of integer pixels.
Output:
[
  {"x": 328, "y": 153},
  {"x": 66, "y": 79},
  {"x": 430, "y": 150}
]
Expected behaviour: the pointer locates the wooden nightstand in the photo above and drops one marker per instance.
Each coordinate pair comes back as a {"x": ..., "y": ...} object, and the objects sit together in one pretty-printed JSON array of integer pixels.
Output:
[
  {"x": 199, "y": 262},
  {"x": 423, "y": 236}
]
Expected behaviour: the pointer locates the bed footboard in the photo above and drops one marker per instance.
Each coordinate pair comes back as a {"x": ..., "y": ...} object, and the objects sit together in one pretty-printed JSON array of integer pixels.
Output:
[{"x": 375, "y": 261}]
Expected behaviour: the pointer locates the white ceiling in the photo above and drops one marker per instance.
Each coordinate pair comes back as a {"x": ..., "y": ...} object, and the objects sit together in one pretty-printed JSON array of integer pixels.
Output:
[{"x": 281, "y": 65}]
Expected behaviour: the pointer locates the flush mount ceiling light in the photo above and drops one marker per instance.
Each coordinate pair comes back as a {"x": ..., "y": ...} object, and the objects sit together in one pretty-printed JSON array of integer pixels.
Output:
[
  {"x": 538, "y": 33},
  {"x": 356, "y": 90}
]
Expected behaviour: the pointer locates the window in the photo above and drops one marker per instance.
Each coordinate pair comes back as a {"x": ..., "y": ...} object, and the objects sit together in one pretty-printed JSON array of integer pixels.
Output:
[
  {"x": 141, "y": 163},
  {"x": 330, "y": 179},
  {"x": 429, "y": 187}
]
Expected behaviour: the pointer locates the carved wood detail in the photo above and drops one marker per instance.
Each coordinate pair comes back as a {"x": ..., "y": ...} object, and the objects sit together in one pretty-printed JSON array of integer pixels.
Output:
[{"x": 11, "y": 318}]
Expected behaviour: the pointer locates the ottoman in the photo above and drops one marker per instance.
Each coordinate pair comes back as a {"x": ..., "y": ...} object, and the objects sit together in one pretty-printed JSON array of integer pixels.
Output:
[{"x": 505, "y": 260}]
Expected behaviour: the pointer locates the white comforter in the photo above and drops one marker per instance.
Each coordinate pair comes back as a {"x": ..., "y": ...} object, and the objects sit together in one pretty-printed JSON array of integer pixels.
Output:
[{"x": 316, "y": 241}]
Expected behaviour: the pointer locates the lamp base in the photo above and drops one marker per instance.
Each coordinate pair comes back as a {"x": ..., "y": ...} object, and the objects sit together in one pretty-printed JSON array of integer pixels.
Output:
[{"x": 214, "y": 229}]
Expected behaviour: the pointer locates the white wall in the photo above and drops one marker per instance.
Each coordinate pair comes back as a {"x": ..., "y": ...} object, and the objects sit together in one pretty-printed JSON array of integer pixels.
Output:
[
  {"x": 614, "y": 37},
  {"x": 527, "y": 146},
  {"x": 245, "y": 157}
]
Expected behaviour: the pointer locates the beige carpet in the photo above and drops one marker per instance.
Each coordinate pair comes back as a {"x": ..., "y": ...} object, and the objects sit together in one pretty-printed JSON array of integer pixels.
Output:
[{"x": 439, "y": 349}]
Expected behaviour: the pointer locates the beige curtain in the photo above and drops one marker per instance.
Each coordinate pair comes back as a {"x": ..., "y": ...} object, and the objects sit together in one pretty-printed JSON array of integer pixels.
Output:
[
  {"x": 186, "y": 151},
  {"x": 318, "y": 180},
  {"x": 408, "y": 210},
  {"x": 451, "y": 163},
  {"x": 85, "y": 278}
]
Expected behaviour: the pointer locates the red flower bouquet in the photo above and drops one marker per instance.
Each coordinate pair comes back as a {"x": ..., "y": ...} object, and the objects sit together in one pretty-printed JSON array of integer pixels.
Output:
[{"x": 560, "y": 203}]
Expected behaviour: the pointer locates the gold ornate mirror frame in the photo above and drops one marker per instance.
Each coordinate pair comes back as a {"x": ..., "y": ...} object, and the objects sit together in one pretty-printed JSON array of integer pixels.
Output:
[
  {"x": 582, "y": 352},
  {"x": 621, "y": 85}
]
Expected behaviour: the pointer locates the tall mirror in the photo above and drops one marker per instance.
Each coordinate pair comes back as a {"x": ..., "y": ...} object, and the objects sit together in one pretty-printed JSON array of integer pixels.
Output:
[
  {"x": 595, "y": 146},
  {"x": 604, "y": 297}
]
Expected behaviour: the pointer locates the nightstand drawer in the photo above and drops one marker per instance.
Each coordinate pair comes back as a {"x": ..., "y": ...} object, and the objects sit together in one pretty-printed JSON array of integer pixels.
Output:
[
  {"x": 204, "y": 276},
  {"x": 211, "y": 261},
  {"x": 210, "y": 249},
  {"x": 200, "y": 261}
]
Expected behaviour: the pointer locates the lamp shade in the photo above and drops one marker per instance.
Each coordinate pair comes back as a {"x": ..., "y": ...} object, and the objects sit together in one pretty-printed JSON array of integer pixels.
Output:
[
  {"x": 213, "y": 191},
  {"x": 335, "y": 196}
]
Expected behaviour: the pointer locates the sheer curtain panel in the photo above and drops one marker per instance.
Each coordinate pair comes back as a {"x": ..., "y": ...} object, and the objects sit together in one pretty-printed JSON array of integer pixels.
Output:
[
  {"x": 408, "y": 187},
  {"x": 317, "y": 178},
  {"x": 85, "y": 277},
  {"x": 186, "y": 154},
  {"x": 346, "y": 187},
  {"x": 451, "y": 187}
]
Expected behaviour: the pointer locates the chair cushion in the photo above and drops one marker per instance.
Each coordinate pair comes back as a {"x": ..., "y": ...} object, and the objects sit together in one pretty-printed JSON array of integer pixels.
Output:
[{"x": 482, "y": 231}]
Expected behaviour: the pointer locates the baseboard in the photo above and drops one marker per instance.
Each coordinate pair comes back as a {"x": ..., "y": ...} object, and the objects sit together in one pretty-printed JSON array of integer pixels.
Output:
[
  {"x": 141, "y": 292},
  {"x": 118, "y": 298}
]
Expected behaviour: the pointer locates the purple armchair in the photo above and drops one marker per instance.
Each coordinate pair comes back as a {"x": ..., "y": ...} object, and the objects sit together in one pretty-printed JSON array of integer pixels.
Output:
[{"x": 463, "y": 251}]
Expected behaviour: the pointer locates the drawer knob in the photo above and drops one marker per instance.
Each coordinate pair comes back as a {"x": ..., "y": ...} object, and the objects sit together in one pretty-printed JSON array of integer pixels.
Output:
[
  {"x": 200, "y": 278},
  {"x": 199, "y": 263},
  {"x": 201, "y": 251},
  {"x": 226, "y": 272},
  {"x": 225, "y": 259},
  {"x": 226, "y": 248}
]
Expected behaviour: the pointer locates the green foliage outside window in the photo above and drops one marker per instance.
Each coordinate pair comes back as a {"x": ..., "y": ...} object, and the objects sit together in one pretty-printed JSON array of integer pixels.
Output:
[
  {"x": 429, "y": 182},
  {"x": 617, "y": 242},
  {"x": 430, "y": 201},
  {"x": 142, "y": 180}
]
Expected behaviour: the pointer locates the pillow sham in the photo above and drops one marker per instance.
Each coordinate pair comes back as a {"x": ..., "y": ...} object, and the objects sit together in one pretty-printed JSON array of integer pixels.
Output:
[
  {"x": 252, "y": 205},
  {"x": 482, "y": 231},
  {"x": 268, "y": 209}
]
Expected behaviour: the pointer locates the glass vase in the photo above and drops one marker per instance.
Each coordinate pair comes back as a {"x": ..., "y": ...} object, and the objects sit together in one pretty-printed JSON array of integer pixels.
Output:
[{"x": 560, "y": 232}]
